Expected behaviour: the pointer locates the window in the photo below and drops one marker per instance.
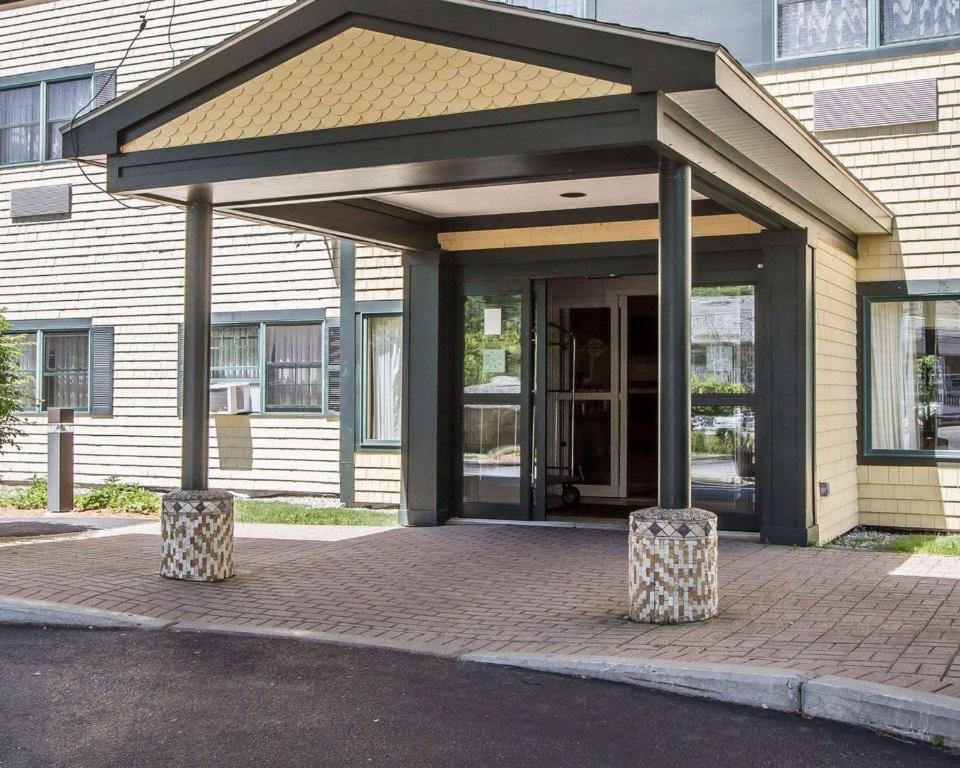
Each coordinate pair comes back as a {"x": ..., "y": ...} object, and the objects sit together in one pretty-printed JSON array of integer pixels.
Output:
[
  {"x": 910, "y": 20},
  {"x": 811, "y": 27},
  {"x": 821, "y": 26},
  {"x": 28, "y": 371},
  {"x": 31, "y": 117},
  {"x": 382, "y": 365},
  {"x": 290, "y": 366},
  {"x": 294, "y": 359},
  {"x": 585, "y": 9},
  {"x": 723, "y": 386},
  {"x": 69, "y": 367},
  {"x": 913, "y": 374}
]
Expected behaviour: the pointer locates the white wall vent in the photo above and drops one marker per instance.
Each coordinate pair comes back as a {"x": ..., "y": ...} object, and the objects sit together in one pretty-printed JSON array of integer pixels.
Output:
[
  {"x": 873, "y": 106},
  {"x": 51, "y": 200},
  {"x": 231, "y": 399}
]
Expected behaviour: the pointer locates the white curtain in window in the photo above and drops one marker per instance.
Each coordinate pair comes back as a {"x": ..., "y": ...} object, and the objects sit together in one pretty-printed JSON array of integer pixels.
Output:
[
  {"x": 905, "y": 20},
  {"x": 65, "y": 374},
  {"x": 893, "y": 376},
  {"x": 384, "y": 396},
  {"x": 64, "y": 100},
  {"x": 295, "y": 365},
  {"x": 20, "y": 125}
]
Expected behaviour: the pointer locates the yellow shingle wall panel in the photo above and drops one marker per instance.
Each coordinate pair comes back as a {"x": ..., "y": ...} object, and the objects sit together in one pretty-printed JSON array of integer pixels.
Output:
[
  {"x": 835, "y": 392},
  {"x": 575, "y": 234},
  {"x": 360, "y": 77}
]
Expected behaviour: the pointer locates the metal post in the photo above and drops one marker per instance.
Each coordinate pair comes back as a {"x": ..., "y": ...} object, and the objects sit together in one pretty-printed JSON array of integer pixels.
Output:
[
  {"x": 196, "y": 345},
  {"x": 60, "y": 460},
  {"x": 676, "y": 264}
]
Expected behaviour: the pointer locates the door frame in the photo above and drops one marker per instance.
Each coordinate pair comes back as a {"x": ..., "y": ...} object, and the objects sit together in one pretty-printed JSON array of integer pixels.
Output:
[{"x": 492, "y": 510}]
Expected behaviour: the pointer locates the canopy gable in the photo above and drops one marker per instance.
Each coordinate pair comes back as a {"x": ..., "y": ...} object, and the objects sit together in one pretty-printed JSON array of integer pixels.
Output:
[{"x": 361, "y": 77}]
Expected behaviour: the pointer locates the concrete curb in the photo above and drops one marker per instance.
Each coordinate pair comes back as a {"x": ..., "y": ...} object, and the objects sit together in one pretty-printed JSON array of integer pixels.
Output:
[
  {"x": 778, "y": 689},
  {"x": 917, "y": 715},
  {"x": 40, "y": 612},
  {"x": 914, "y": 714}
]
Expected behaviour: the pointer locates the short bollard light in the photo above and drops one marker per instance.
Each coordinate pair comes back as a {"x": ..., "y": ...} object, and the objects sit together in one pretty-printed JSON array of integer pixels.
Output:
[{"x": 60, "y": 460}]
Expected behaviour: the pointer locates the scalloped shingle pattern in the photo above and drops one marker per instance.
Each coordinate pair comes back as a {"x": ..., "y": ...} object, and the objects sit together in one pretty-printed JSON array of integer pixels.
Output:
[{"x": 361, "y": 77}]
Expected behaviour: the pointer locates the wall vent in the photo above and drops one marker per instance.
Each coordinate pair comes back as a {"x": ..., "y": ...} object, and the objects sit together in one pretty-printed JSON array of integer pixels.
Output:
[
  {"x": 873, "y": 106},
  {"x": 27, "y": 202}
]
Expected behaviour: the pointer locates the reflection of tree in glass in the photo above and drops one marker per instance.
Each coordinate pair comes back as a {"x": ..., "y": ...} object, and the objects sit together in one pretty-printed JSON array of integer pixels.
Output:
[{"x": 475, "y": 341}]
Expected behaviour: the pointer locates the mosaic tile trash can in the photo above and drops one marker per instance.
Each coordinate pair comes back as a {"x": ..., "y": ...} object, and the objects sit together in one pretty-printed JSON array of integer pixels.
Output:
[
  {"x": 197, "y": 536},
  {"x": 673, "y": 566}
]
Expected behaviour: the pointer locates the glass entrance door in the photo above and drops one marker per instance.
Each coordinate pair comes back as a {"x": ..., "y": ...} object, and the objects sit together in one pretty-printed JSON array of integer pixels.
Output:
[
  {"x": 584, "y": 406},
  {"x": 495, "y": 428}
]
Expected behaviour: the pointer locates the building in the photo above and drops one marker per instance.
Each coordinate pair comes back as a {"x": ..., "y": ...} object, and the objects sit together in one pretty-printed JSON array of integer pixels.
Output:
[{"x": 823, "y": 313}]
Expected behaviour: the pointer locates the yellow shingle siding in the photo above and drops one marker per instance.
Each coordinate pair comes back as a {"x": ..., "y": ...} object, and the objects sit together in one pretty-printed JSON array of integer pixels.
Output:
[
  {"x": 915, "y": 169},
  {"x": 360, "y": 77},
  {"x": 835, "y": 393}
]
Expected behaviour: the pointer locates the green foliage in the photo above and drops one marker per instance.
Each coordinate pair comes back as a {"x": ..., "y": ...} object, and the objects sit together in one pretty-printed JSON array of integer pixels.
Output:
[
  {"x": 11, "y": 386},
  {"x": 937, "y": 740},
  {"x": 115, "y": 494},
  {"x": 924, "y": 544},
  {"x": 33, "y": 496},
  {"x": 926, "y": 385},
  {"x": 257, "y": 511}
]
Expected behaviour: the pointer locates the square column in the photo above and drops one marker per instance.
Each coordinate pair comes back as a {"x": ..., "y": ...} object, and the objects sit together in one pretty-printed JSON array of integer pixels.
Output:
[
  {"x": 197, "y": 523},
  {"x": 673, "y": 548}
]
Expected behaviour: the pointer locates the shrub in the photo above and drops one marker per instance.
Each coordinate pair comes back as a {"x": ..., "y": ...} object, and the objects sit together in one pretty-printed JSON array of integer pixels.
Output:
[
  {"x": 33, "y": 496},
  {"x": 11, "y": 386},
  {"x": 115, "y": 494}
]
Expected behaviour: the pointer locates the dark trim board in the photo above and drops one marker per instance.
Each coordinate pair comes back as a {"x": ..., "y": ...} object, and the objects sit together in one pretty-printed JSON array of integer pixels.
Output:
[
  {"x": 53, "y": 324},
  {"x": 269, "y": 316},
  {"x": 429, "y": 151}
]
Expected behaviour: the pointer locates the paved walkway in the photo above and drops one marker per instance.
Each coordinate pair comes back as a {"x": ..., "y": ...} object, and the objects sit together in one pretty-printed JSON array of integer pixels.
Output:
[{"x": 881, "y": 617}]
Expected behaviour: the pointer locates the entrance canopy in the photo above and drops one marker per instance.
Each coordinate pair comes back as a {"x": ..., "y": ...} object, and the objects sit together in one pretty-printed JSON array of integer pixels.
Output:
[{"x": 418, "y": 124}]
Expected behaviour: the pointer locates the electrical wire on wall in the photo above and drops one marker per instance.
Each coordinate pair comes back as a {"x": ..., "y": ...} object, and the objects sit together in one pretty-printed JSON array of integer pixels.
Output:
[{"x": 93, "y": 99}]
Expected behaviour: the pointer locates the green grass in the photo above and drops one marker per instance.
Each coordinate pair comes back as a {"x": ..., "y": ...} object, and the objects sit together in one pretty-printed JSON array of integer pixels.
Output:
[
  {"x": 254, "y": 511},
  {"x": 923, "y": 544}
]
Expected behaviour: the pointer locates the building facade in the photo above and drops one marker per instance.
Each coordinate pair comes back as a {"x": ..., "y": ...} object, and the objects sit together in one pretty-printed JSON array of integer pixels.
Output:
[
  {"x": 875, "y": 80},
  {"x": 96, "y": 284}
]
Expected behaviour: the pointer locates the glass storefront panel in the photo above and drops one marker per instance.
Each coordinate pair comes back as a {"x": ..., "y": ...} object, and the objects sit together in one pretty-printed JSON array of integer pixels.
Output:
[
  {"x": 492, "y": 348},
  {"x": 592, "y": 428},
  {"x": 491, "y": 454},
  {"x": 723, "y": 459},
  {"x": 722, "y": 330}
]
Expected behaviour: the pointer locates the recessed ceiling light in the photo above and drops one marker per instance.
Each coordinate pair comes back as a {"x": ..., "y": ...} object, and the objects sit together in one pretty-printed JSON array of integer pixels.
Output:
[{"x": 571, "y": 195}]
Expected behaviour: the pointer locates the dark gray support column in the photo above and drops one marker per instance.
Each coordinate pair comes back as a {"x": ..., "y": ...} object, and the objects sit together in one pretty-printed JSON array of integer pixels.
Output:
[
  {"x": 676, "y": 266},
  {"x": 428, "y": 401},
  {"x": 348, "y": 371},
  {"x": 785, "y": 386},
  {"x": 198, "y": 270}
]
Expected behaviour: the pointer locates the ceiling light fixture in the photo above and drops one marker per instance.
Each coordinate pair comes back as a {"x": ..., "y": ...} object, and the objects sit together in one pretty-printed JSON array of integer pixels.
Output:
[{"x": 573, "y": 195}]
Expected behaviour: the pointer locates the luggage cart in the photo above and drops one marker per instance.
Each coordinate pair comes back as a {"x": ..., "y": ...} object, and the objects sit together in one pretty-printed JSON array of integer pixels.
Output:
[{"x": 565, "y": 471}]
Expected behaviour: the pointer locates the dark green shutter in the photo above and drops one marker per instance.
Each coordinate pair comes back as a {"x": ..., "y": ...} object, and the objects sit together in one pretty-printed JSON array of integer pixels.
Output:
[
  {"x": 101, "y": 371},
  {"x": 332, "y": 366},
  {"x": 104, "y": 87},
  {"x": 180, "y": 368}
]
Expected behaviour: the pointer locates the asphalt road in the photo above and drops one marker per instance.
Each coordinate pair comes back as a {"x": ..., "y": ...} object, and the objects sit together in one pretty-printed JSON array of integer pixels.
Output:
[{"x": 131, "y": 699}]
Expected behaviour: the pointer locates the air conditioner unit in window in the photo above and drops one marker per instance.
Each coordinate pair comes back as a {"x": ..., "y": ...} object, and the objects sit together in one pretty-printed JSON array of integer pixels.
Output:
[{"x": 230, "y": 399}]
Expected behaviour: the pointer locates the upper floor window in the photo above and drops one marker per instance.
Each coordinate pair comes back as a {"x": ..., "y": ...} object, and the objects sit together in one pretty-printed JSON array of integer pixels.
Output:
[
  {"x": 31, "y": 117},
  {"x": 585, "y": 9},
  {"x": 810, "y": 27},
  {"x": 821, "y": 26},
  {"x": 910, "y": 20}
]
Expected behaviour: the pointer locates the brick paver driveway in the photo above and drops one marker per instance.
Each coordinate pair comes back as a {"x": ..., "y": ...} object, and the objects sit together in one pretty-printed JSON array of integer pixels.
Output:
[{"x": 881, "y": 617}]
